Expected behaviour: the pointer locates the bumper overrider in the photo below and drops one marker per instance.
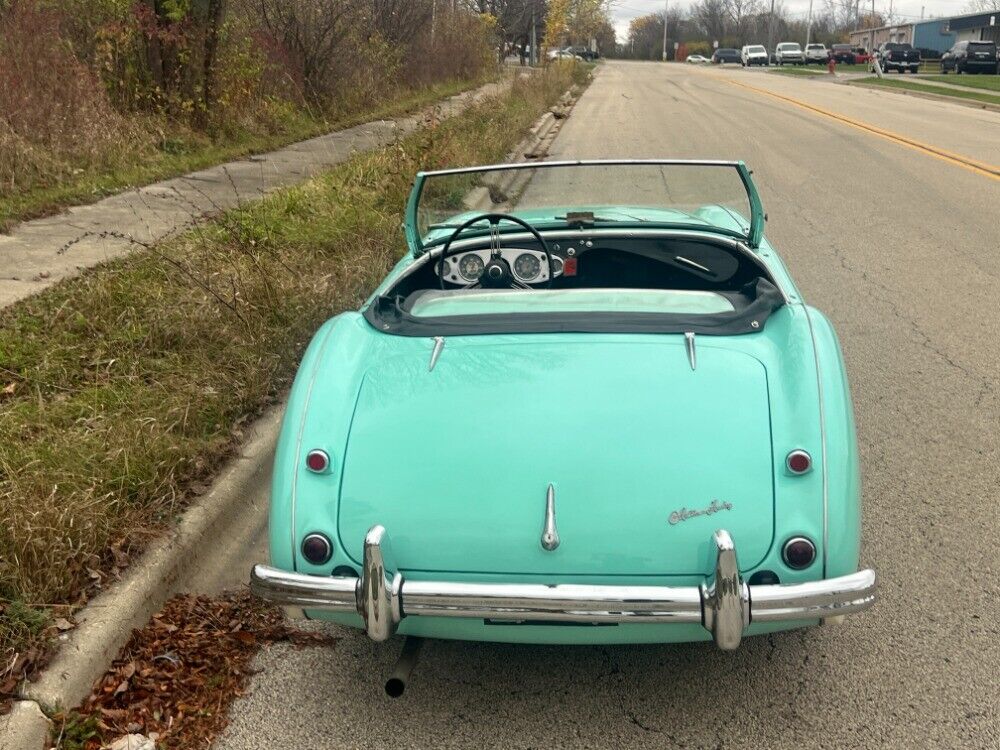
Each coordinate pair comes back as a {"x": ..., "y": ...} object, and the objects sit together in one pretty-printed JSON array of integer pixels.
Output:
[{"x": 724, "y": 604}]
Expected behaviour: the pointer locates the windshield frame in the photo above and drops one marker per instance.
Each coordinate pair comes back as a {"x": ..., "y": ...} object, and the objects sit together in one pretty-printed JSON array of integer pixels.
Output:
[{"x": 752, "y": 237}]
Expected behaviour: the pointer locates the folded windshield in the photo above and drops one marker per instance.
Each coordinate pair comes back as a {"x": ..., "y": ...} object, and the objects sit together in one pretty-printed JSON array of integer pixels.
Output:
[{"x": 706, "y": 195}]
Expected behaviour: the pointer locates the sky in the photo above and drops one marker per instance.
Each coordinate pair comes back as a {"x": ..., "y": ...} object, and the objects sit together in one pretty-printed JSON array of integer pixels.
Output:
[{"x": 624, "y": 11}]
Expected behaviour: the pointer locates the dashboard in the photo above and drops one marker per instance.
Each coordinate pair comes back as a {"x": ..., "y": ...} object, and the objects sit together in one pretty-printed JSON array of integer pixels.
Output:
[{"x": 528, "y": 266}]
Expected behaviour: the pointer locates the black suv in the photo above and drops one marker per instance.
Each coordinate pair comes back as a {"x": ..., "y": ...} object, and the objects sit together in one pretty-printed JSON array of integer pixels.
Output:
[{"x": 971, "y": 57}]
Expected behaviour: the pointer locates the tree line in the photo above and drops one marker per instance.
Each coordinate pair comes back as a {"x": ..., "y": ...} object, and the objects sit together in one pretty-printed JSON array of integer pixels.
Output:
[{"x": 734, "y": 23}]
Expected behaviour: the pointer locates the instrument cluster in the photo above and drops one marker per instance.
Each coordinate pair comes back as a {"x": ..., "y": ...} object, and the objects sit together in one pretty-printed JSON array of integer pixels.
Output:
[{"x": 528, "y": 266}]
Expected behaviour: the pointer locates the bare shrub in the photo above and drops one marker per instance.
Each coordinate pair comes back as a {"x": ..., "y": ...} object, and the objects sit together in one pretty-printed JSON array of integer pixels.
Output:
[{"x": 54, "y": 114}]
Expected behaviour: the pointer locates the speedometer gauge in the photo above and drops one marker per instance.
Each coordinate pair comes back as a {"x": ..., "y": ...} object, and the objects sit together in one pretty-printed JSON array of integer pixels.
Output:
[
  {"x": 527, "y": 266},
  {"x": 471, "y": 267}
]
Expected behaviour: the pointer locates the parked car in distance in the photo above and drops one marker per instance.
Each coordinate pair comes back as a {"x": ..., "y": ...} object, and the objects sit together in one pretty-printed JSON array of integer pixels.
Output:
[
  {"x": 861, "y": 56},
  {"x": 843, "y": 53},
  {"x": 817, "y": 53},
  {"x": 753, "y": 54},
  {"x": 971, "y": 57},
  {"x": 726, "y": 55},
  {"x": 585, "y": 53},
  {"x": 789, "y": 53},
  {"x": 898, "y": 56},
  {"x": 697, "y": 59}
]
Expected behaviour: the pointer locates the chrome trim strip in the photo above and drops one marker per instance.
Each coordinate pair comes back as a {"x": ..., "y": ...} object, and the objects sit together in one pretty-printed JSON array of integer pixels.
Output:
[
  {"x": 725, "y": 605},
  {"x": 298, "y": 439},
  {"x": 436, "y": 352},
  {"x": 689, "y": 262},
  {"x": 550, "y": 535},
  {"x": 822, "y": 436},
  {"x": 522, "y": 165},
  {"x": 692, "y": 354}
]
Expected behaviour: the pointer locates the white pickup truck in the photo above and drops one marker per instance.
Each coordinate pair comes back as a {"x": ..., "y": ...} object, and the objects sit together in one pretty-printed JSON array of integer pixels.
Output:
[{"x": 817, "y": 53}]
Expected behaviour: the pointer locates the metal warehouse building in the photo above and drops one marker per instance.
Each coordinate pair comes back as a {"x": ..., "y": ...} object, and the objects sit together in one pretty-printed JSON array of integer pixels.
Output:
[
  {"x": 934, "y": 33},
  {"x": 976, "y": 27},
  {"x": 938, "y": 34}
]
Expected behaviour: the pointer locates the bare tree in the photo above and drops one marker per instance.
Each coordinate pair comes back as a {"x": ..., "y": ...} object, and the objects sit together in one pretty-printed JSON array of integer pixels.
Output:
[
  {"x": 710, "y": 16},
  {"x": 399, "y": 21},
  {"x": 313, "y": 32},
  {"x": 741, "y": 13}
]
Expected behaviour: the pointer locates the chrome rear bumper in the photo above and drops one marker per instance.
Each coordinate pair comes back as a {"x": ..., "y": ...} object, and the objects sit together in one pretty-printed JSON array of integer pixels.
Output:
[{"x": 724, "y": 604}]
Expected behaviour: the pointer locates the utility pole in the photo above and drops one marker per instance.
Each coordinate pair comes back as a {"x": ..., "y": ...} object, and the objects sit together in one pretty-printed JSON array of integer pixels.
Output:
[
  {"x": 666, "y": 3},
  {"x": 809, "y": 24},
  {"x": 770, "y": 32},
  {"x": 921, "y": 12},
  {"x": 533, "y": 58}
]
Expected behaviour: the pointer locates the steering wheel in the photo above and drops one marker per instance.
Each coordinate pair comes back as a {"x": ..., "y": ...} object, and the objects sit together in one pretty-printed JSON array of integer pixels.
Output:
[{"x": 497, "y": 273}]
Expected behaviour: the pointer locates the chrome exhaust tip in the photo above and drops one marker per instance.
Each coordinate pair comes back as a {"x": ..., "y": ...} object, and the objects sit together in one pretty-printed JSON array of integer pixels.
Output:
[{"x": 396, "y": 684}]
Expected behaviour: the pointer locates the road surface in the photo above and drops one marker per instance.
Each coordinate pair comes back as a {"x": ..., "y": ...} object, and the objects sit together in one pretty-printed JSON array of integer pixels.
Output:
[{"x": 900, "y": 247}]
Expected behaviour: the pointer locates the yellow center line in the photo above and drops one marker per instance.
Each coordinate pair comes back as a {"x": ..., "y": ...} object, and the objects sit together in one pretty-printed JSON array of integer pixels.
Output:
[{"x": 987, "y": 170}]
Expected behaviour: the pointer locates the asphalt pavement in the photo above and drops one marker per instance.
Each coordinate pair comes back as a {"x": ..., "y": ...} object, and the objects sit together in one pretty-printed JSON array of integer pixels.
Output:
[{"x": 899, "y": 246}]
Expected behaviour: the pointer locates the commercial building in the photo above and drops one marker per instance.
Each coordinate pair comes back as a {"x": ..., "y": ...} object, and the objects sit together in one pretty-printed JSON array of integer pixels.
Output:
[
  {"x": 976, "y": 27},
  {"x": 932, "y": 34}
]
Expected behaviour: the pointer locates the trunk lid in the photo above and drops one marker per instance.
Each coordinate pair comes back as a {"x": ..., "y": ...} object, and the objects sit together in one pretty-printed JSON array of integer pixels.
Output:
[{"x": 455, "y": 462}]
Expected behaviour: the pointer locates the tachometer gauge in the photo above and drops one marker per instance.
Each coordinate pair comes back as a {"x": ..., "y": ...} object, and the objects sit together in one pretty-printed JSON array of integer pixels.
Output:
[
  {"x": 471, "y": 267},
  {"x": 527, "y": 266}
]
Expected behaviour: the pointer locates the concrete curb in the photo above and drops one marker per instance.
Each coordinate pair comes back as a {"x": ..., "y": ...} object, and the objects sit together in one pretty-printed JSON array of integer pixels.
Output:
[
  {"x": 24, "y": 728},
  {"x": 108, "y": 620}
]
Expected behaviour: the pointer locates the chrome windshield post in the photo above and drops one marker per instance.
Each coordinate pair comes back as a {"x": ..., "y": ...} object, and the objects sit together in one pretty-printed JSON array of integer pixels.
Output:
[
  {"x": 726, "y": 601},
  {"x": 379, "y": 592}
]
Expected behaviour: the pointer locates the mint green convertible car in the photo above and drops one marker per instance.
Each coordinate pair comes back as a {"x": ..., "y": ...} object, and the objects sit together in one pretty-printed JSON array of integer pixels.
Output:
[{"x": 589, "y": 406}]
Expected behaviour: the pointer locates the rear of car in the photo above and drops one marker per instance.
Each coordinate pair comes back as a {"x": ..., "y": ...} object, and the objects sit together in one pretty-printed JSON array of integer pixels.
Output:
[
  {"x": 789, "y": 53},
  {"x": 817, "y": 53},
  {"x": 973, "y": 57},
  {"x": 843, "y": 53},
  {"x": 900, "y": 57}
]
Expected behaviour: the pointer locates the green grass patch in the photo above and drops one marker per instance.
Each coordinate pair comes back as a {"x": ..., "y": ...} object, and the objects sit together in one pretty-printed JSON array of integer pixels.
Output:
[
  {"x": 914, "y": 85},
  {"x": 984, "y": 82},
  {"x": 186, "y": 151},
  {"x": 123, "y": 390},
  {"x": 786, "y": 70}
]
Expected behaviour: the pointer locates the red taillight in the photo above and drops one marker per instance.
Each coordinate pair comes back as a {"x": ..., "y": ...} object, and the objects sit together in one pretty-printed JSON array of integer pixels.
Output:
[
  {"x": 317, "y": 549},
  {"x": 317, "y": 461},
  {"x": 799, "y": 553},
  {"x": 798, "y": 462}
]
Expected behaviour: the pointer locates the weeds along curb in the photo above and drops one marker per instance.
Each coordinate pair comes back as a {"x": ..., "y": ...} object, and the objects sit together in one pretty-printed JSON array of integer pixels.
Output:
[
  {"x": 226, "y": 518},
  {"x": 108, "y": 620}
]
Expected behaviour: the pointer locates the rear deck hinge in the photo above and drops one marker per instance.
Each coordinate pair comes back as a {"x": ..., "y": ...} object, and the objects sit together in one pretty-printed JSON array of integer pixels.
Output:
[{"x": 692, "y": 355}]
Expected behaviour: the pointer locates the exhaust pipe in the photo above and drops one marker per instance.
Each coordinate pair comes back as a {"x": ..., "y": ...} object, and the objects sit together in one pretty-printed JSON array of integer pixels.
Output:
[{"x": 407, "y": 660}]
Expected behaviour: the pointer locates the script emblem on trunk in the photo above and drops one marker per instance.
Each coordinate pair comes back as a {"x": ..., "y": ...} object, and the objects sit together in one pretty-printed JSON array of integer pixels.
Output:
[{"x": 684, "y": 514}]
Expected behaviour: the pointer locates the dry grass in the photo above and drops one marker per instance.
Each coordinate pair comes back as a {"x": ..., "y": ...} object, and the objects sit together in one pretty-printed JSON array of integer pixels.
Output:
[{"x": 124, "y": 389}]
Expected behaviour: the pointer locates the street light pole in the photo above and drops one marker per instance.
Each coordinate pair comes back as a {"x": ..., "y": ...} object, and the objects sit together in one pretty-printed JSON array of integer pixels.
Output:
[{"x": 666, "y": 3}]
